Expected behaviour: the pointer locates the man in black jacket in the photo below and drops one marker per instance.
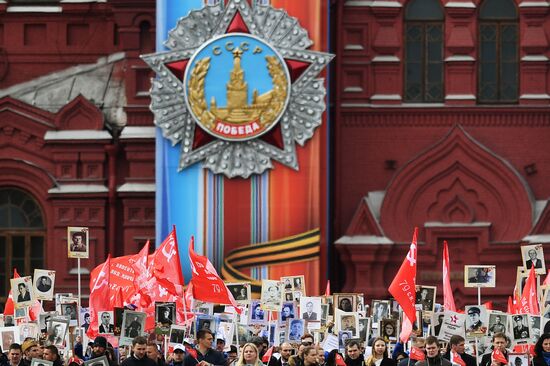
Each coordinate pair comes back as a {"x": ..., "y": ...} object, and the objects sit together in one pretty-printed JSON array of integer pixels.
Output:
[
  {"x": 500, "y": 341},
  {"x": 353, "y": 354},
  {"x": 433, "y": 354},
  {"x": 456, "y": 344},
  {"x": 205, "y": 355},
  {"x": 139, "y": 354}
]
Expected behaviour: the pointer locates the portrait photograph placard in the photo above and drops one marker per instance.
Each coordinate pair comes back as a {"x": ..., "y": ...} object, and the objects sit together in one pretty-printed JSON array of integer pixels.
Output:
[
  {"x": 498, "y": 322},
  {"x": 69, "y": 309},
  {"x": 520, "y": 329},
  {"x": 380, "y": 310},
  {"x": 57, "y": 328},
  {"x": 27, "y": 330},
  {"x": 206, "y": 322},
  {"x": 483, "y": 275},
  {"x": 436, "y": 323},
  {"x": 21, "y": 289},
  {"x": 106, "y": 322},
  {"x": 100, "y": 361},
  {"x": 288, "y": 311},
  {"x": 241, "y": 291},
  {"x": 271, "y": 295},
  {"x": 345, "y": 301},
  {"x": 476, "y": 320},
  {"x": 78, "y": 242},
  {"x": 364, "y": 328},
  {"x": 165, "y": 314},
  {"x": 44, "y": 281},
  {"x": 310, "y": 308},
  {"x": 177, "y": 334},
  {"x": 9, "y": 335},
  {"x": 533, "y": 255},
  {"x": 133, "y": 325},
  {"x": 295, "y": 330},
  {"x": 347, "y": 322},
  {"x": 518, "y": 359},
  {"x": 21, "y": 314},
  {"x": 256, "y": 315},
  {"x": 425, "y": 297},
  {"x": 40, "y": 362},
  {"x": 389, "y": 329}
]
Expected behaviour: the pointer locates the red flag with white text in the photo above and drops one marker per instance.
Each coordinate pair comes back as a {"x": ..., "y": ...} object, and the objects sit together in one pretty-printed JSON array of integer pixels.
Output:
[
  {"x": 403, "y": 286},
  {"x": 207, "y": 285},
  {"x": 448, "y": 298}
]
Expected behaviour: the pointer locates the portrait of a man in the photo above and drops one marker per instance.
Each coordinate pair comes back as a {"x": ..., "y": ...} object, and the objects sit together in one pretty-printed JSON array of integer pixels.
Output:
[
  {"x": 480, "y": 276},
  {"x": 165, "y": 313},
  {"x": 287, "y": 311},
  {"x": 78, "y": 243},
  {"x": 474, "y": 322},
  {"x": 533, "y": 255},
  {"x": 44, "y": 284},
  {"x": 425, "y": 296},
  {"x": 23, "y": 293},
  {"x": 56, "y": 333},
  {"x": 497, "y": 323},
  {"x": 520, "y": 328},
  {"x": 106, "y": 325},
  {"x": 296, "y": 330}
]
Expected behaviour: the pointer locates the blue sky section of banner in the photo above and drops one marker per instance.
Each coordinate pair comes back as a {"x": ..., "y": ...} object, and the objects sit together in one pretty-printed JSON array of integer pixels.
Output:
[{"x": 179, "y": 194}]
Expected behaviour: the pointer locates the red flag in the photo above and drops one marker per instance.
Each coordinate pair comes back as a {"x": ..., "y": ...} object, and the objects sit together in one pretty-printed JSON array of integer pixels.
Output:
[
  {"x": 510, "y": 308},
  {"x": 529, "y": 302},
  {"x": 327, "y": 290},
  {"x": 403, "y": 286},
  {"x": 417, "y": 354},
  {"x": 207, "y": 285},
  {"x": 488, "y": 305},
  {"x": 448, "y": 298},
  {"x": 267, "y": 356},
  {"x": 99, "y": 296},
  {"x": 498, "y": 356},
  {"x": 547, "y": 279},
  {"x": 406, "y": 329},
  {"x": 455, "y": 358},
  {"x": 339, "y": 360}
]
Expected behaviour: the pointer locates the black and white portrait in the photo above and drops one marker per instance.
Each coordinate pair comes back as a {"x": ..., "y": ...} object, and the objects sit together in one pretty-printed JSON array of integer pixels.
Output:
[
  {"x": 56, "y": 332},
  {"x": 27, "y": 330},
  {"x": 78, "y": 242},
  {"x": 480, "y": 276},
  {"x": 21, "y": 289},
  {"x": 476, "y": 320},
  {"x": 271, "y": 295},
  {"x": 534, "y": 327},
  {"x": 177, "y": 333},
  {"x": 388, "y": 329},
  {"x": 85, "y": 318},
  {"x": 44, "y": 284},
  {"x": 133, "y": 325},
  {"x": 44, "y": 320},
  {"x": 100, "y": 361},
  {"x": 9, "y": 335},
  {"x": 240, "y": 291},
  {"x": 165, "y": 313},
  {"x": 348, "y": 322},
  {"x": 206, "y": 322},
  {"x": 295, "y": 330},
  {"x": 345, "y": 302},
  {"x": 425, "y": 297},
  {"x": 380, "y": 310},
  {"x": 343, "y": 339},
  {"x": 287, "y": 312},
  {"x": 298, "y": 284},
  {"x": 520, "y": 327},
  {"x": 498, "y": 323},
  {"x": 518, "y": 359},
  {"x": 40, "y": 362},
  {"x": 533, "y": 255},
  {"x": 437, "y": 322},
  {"x": 255, "y": 313},
  {"x": 106, "y": 322},
  {"x": 69, "y": 309},
  {"x": 364, "y": 328},
  {"x": 310, "y": 308}
]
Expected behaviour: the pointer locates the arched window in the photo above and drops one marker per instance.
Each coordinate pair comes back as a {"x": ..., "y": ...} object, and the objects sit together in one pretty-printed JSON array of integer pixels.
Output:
[
  {"x": 21, "y": 236},
  {"x": 146, "y": 37},
  {"x": 498, "y": 52},
  {"x": 424, "y": 51}
]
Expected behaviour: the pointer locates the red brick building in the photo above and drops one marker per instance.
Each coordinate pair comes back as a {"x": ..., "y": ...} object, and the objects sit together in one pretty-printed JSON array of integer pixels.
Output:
[
  {"x": 441, "y": 121},
  {"x": 76, "y": 134}
]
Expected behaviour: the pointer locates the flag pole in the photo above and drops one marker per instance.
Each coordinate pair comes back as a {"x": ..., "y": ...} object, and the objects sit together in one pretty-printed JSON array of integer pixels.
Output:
[
  {"x": 79, "y": 293},
  {"x": 479, "y": 295}
]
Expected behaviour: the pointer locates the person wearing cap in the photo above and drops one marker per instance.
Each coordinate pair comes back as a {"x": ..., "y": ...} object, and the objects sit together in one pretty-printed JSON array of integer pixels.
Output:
[
  {"x": 139, "y": 354},
  {"x": 476, "y": 325},
  {"x": 520, "y": 330},
  {"x": 100, "y": 349},
  {"x": 231, "y": 356},
  {"x": 177, "y": 355},
  {"x": 499, "y": 342},
  {"x": 51, "y": 353},
  {"x": 30, "y": 350},
  {"x": 220, "y": 345},
  {"x": 154, "y": 354},
  {"x": 205, "y": 355}
]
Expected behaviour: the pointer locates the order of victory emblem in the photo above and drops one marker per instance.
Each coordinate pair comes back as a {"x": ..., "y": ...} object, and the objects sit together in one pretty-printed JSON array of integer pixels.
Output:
[{"x": 238, "y": 88}]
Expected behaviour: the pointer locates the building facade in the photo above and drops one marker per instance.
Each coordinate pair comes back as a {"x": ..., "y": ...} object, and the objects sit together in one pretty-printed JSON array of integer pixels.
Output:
[
  {"x": 441, "y": 122},
  {"x": 76, "y": 134}
]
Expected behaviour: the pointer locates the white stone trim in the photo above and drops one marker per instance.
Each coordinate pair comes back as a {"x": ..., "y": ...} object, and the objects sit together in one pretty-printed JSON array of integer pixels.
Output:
[
  {"x": 78, "y": 188},
  {"x": 386, "y": 97},
  {"x": 137, "y": 187},
  {"x": 456, "y": 224},
  {"x": 534, "y": 96},
  {"x": 353, "y": 89},
  {"x": 77, "y": 135},
  {"x": 534, "y": 58},
  {"x": 534, "y": 4},
  {"x": 138, "y": 132},
  {"x": 386, "y": 4},
  {"x": 353, "y": 47},
  {"x": 460, "y": 4},
  {"x": 358, "y": 3},
  {"x": 385, "y": 59},
  {"x": 456, "y": 58},
  {"x": 34, "y": 9},
  {"x": 460, "y": 97},
  {"x": 545, "y": 238},
  {"x": 363, "y": 239}
]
